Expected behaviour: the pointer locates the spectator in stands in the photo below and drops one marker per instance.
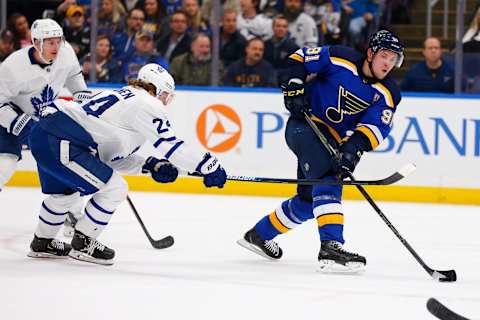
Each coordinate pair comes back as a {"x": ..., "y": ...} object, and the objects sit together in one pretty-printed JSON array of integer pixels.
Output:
[
  {"x": 471, "y": 39},
  {"x": 18, "y": 24},
  {"x": 207, "y": 7},
  {"x": 195, "y": 21},
  {"x": 6, "y": 44},
  {"x": 326, "y": 14},
  {"x": 123, "y": 42},
  {"x": 252, "y": 71},
  {"x": 155, "y": 17},
  {"x": 107, "y": 68},
  {"x": 177, "y": 40},
  {"x": 144, "y": 53},
  {"x": 280, "y": 46},
  {"x": 361, "y": 14},
  {"x": 194, "y": 68},
  {"x": 111, "y": 17},
  {"x": 252, "y": 24},
  {"x": 431, "y": 75},
  {"x": 172, "y": 5},
  {"x": 302, "y": 27},
  {"x": 76, "y": 32},
  {"x": 232, "y": 43}
]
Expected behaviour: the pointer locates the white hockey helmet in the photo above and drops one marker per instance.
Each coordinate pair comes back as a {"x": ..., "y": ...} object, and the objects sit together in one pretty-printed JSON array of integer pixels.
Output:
[
  {"x": 44, "y": 29},
  {"x": 160, "y": 78}
]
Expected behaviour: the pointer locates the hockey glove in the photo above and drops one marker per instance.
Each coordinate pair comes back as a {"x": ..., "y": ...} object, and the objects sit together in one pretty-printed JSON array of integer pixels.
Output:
[
  {"x": 213, "y": 173},
  {"x": 295, "y": 99},
  {"x": 81, "y": 96},
  {"x": 21, "y": 127},
  {"x": 349, "y": 157},
  {"x": 161, "y": 171}
]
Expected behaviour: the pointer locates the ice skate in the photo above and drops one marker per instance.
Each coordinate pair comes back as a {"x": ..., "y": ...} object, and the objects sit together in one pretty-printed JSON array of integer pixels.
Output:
[
  {"x": 48, "y": 248},
  {"x": 334, "y": 259},
  {"x": 266, "y": 248},
  {"x": 87, "y": 249}
]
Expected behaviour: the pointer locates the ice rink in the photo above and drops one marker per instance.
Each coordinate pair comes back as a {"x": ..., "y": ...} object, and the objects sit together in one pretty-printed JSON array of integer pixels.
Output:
[{"x": 206, "y": 275}]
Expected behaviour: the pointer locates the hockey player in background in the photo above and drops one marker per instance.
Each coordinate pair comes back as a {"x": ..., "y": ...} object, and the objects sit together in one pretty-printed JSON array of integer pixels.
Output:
[
  {"x": 352, "y": 100},
  {"x": 83, "y": 150},
  {"x": 30, "y": 79}
]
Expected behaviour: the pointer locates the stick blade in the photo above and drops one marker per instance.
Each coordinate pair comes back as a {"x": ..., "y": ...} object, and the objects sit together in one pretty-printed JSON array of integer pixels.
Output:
[
  {"x": 163, "y": 243},
  {"x": 445, "y": 276},
  {"x": 442, "y": 312}
]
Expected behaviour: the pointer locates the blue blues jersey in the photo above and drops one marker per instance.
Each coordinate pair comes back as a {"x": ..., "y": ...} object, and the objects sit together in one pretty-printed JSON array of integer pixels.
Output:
[{"x": 343, "y": 99}]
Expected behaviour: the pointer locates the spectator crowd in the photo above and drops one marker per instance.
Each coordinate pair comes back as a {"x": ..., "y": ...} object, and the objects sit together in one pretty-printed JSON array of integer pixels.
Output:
[{"x": 256, "y": 37}]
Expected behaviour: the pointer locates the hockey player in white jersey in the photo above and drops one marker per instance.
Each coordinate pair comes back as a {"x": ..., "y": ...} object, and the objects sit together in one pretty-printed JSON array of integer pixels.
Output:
[
  {"x": 86, "y": 148},
  {"x": 30, "y": 79}
]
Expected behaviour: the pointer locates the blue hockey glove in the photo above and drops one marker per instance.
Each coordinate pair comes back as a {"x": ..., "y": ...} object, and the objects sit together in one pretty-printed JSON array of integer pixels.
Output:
[
  {"x": 349, "y": 157},
  {"x": 295, "y": 99},
  {"x": 161, "y": 171},
  {"x": 213, "y": 173}
]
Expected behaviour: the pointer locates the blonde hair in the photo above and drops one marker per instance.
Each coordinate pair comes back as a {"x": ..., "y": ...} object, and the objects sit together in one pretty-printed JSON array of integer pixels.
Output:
[{"x": 150, "y": 88}]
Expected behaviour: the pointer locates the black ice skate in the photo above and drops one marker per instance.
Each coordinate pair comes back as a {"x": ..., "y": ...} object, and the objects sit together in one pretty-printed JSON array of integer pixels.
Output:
[
  {"x": 266, "y": 248},
  {"x": 87, "y": 249},
  {"x": 48, "y": 248},
  {"x": 334, "y": 259},
  {"x": 69, "y": 225}
]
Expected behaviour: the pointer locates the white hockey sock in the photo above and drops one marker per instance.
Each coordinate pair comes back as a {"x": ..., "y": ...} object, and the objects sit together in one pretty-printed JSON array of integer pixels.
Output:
[
  {"x": 99, "y": 209},
  {"x": 53, "y": 213},
  {"x": 77, "y": 208},
  {"x": 8, "y": 164}
]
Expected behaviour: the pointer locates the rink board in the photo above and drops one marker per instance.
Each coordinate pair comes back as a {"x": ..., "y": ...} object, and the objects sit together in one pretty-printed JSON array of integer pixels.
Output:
[{"x": 440, "y": 134}]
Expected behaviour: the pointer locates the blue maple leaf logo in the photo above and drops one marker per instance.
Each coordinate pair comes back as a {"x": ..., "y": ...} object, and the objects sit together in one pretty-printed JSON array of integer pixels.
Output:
[{"x": 47, "y": 97}]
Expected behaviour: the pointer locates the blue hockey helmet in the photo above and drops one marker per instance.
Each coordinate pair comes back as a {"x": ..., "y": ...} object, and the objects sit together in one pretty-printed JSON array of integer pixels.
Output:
[{"x": 384, "y": 39}]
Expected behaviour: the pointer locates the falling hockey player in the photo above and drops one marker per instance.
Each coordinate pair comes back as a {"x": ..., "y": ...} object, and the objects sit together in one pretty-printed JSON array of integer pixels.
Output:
[
  {"x": 30, "y": 79},
  {"x": 352, "y": 100},
  {"x": 83, "y": 150}
]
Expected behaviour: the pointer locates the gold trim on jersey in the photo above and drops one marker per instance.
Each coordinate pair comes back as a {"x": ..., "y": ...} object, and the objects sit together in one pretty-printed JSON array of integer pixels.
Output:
[
  {"x": 297, "y": 57},
  {"x": 277, "y": 223},
  {"x": 370, "y": 135},
  {"x": 386, "y": 93},
  {"x": 330, "y": 218},
  {"x": 344, "y": 63},
  {"x": 332, "y": 131}
]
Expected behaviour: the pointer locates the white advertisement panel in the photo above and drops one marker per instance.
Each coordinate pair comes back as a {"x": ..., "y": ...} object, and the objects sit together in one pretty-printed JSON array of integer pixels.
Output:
[{"x": 245, "y": 129}]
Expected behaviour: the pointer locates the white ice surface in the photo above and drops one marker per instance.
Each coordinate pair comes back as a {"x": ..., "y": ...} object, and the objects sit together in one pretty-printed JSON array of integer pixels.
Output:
[{"x": 206, "y": 275}]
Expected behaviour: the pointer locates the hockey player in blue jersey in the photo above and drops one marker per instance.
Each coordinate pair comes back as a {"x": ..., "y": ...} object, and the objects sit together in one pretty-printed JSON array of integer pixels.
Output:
[
  {"x": 82, "y": 149},
  {"x": 352, "y": 100}
]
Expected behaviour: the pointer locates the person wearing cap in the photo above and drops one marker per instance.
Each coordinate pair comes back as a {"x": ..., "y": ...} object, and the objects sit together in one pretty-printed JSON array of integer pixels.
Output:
[
  {"x": 76, "y": 31},
  {"x": 123, "y": 42},
  {"x": 144, "y": 53},
  {"x": 6, "y": 44}
]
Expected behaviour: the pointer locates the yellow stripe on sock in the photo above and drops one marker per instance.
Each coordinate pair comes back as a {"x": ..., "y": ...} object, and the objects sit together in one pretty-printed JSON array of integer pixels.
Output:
[
  {"x": 276, "y": 223},
  {"x": 330, "y": 218}
]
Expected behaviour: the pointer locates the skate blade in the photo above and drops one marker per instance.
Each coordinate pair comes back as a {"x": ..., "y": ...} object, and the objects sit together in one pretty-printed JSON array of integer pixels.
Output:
[
  {"x": 77, "y": 255},
  {"x": 247, "y": 245},
  {"x": 44, "y": 255},
  {"x": 330, "y": 266}
]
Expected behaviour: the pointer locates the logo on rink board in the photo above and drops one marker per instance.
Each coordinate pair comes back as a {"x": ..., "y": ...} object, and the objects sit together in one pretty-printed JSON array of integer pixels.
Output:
[{"x": 219, "y": 128}]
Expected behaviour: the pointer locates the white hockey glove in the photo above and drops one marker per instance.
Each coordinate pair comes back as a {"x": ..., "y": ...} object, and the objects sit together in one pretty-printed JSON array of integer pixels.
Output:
[
  {"x": 213, "y": 173},
  {"x": 81, "y": 96}
]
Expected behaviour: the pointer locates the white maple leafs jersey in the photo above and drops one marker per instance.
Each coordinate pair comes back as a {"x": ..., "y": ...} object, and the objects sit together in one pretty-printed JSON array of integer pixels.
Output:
[
  {"x": 28, "y": 87},
  {"x": 121, "y": 121}
]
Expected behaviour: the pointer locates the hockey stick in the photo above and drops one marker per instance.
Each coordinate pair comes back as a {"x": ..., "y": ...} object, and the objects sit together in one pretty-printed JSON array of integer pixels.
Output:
[
  {"x": 157, "y": 244},
  {"x": 443, "y": 276},
  {"x": 442, "y": 312},
  {"x": 391, "y": 179}
]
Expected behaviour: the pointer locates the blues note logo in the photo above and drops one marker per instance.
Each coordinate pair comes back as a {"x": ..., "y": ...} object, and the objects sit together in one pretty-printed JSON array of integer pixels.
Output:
[{"x": 348, "y": 103}]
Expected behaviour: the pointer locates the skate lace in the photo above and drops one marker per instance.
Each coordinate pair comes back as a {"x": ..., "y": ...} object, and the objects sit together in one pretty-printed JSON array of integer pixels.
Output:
[
  {"x": 94, "y": 244},
  {"x": 271, "y": 246},
  {"x": 57, "y": 244},
  {"x": 338, "y": 246}
]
